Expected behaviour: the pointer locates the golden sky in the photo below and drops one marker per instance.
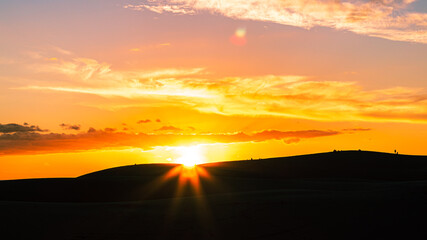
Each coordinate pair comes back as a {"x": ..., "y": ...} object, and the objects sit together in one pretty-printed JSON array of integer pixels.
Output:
[{"x": 87, "y": 85}]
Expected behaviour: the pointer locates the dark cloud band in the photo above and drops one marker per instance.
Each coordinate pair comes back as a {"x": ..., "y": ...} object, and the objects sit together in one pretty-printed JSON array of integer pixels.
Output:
[
  {"x": 13, "y": 128},
  {"x": 29, "y": 141}
]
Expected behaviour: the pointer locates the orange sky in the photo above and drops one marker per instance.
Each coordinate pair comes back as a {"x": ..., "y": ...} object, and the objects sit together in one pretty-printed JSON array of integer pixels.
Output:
[{"x": 91, "y": 85}]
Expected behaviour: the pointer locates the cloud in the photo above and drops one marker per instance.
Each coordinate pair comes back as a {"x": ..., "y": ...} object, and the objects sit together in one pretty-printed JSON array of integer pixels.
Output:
[
  {"x": 86, "y": 76},
  {"x": 61, "y": 50},
  {"x": 278, "y": 135},
  {"x": 270, "y": 95},
  {"x": 110, "y": 129},
  {"x": 70, "y": 126},
  {"x": 291, "y": 140},
  {"x": 357, "y": 129},
  {"x": 79, "y": 68},
  {"x": 390, "y": 19},
  {"x": 169, "y": 128},
  {"x": 150, "y": 47},
  {"x": 144, "y": 121},
  {"x": 14, "y": 128},
  {"x": 302, "y": 97},
  {"x": 31, "y": 142},
  {"x": 106, "y": 130},
  {"x": 172, "y": 8}
]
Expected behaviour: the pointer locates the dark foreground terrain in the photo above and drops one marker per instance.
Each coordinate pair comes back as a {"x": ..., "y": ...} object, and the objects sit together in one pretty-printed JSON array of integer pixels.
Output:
[{"x": 340, "y": 195}]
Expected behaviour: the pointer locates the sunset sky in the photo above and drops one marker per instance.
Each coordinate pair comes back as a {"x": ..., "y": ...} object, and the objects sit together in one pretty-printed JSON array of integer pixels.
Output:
[{"x": 87, "y": 85}]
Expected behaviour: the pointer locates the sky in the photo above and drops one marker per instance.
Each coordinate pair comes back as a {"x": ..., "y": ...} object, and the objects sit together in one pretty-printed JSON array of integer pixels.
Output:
[{"x": 88, "y": 85}]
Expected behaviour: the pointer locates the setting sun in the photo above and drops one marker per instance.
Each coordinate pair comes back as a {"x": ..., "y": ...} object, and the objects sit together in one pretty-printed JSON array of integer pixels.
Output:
[{"x": 190, "y": 156}]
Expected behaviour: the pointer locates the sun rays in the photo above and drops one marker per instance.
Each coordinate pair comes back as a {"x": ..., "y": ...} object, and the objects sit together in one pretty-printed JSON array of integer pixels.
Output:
[{"x": 189, "y": 178}]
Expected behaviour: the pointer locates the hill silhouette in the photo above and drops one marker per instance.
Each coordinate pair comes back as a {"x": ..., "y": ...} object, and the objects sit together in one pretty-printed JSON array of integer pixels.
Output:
[
  {"x": 335, "y": 195},
  {"x": 343, "y": 164},
  {"x": 136, "y": 182}
]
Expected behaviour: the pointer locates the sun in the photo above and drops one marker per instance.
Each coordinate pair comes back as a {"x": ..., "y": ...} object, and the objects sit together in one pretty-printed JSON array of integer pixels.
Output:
[{"x": 190, "y": 156}]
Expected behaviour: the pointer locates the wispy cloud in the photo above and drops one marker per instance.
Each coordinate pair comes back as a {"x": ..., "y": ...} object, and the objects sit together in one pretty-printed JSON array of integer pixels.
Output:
[
  {"x": 150, "y": 47},
  {"x": 130, "y": 92},
  {"x": 356, "y": 129},
  {"x": 390, "y": 19},
  {"x": 301, "y": 97},
  {"x": 88, "y": 76},
  {"x": 271, "y": 95},
  {"x": 175, "y": 7}
]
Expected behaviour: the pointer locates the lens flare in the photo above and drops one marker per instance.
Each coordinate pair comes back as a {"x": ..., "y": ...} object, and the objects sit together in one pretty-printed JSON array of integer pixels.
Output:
[
  {"x": 239, "y": 37},
  {"x": 240, "y": 32}
]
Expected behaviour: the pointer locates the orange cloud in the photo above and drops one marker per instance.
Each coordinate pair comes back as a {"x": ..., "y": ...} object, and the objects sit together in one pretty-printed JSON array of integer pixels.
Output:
[
  {"x": 291, "y": 140},
  {"x": 169, "y": 128},
  {"x": 144, "y": 121},
  {"x": 389, "y": 19}
]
